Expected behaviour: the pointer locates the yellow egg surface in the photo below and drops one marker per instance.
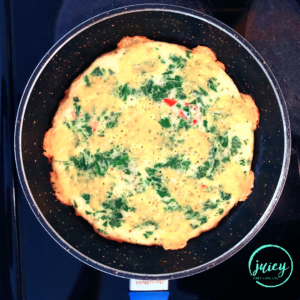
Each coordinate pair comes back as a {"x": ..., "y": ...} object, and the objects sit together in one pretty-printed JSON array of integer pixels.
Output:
[{"x": 153, "y": 143}]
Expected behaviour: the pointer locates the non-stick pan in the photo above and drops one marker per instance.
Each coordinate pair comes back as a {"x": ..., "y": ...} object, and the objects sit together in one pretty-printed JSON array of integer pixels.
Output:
[{"x": 73, "y": 54}]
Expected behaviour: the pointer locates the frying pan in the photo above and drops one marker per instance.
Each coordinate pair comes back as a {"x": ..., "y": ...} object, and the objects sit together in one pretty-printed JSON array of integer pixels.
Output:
[{"x": 73, "y": 54}]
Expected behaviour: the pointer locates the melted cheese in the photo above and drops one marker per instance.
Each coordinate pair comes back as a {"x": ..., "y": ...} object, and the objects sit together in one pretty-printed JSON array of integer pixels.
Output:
[{"x": 140, "y": 170}]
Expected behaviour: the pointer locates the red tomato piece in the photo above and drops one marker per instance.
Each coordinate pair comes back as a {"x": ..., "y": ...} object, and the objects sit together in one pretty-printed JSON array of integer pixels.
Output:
[
  {"x": 203, "y": 185},
  {"x": 195, "y": 121},
  {"x": 170, "y": 102},
  {"x": 73, "y": 114},
  {"x": 94, "y": 125}
]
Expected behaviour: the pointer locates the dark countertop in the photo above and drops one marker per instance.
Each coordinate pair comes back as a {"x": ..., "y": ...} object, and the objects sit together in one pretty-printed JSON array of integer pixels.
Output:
[{"x": 46, "y": 271}]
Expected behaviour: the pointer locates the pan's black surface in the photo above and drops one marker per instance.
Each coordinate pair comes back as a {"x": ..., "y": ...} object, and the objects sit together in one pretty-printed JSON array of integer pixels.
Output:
[{"x": 69, "y": 57}]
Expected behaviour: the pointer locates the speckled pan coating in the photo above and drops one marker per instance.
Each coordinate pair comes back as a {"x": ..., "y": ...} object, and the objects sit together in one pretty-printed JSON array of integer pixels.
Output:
[{"x": 69, "y": 57}]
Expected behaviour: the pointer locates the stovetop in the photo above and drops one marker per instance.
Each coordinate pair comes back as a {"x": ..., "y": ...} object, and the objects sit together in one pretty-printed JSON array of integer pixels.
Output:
[{"x": 32, "y": 265}]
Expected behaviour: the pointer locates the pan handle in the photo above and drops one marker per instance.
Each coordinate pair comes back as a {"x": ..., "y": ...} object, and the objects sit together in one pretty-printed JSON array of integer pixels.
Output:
[
  {"x": 164, "y": 295},
  {"x": 148, "y": 289}
]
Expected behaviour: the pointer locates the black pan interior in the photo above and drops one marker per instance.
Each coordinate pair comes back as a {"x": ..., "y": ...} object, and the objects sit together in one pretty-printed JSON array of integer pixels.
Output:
[{"x": 71, "y": 60}]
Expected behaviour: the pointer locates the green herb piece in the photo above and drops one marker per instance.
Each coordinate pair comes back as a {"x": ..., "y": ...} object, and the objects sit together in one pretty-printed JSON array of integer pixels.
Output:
[
  {"x": 183, "y": 124},
  {"x": 202, "y": 170},
  {"x": 147, "y": 234},
  {"x": 223, "y": 140},
  {"x": 75, "y": 99},
  {"x": 187, "y": 54},
  {"x": 86, "y": 197},
  {"x": 176, "y": 163},
  {"x": 203, "y": 111},
  {"x": 163, "y": 192},
  {"x": 235, "y": 145},
  {"x": 225, "y": 196},
  {"x": 178, "y": 60},
  {"x": 242, "y": 162},
  {"x": 226, "y": 159},
  {"x": 111, "y": 72},
  {"x": 194, "y": 226},
  {"x": 75, "y": 204},
  {"x": 203, "y": 91},
  {"x": 150, "y": 171},
  {"x": 167, "y": 73},
  {"x": 220, "y": 211},
  {"x": 148, "y": 223},
  {"x": 97, "y": 72},
  {"x": 147, "y": 89},
  {"x": 87, "y": 117},
  {"x": 124, "y": 91},
  {"x": 171, "y": 205},
  {"x": 77, "y": 108},
  {"x": 86, "y": 80},
  {"x": 165, "y": 122},
  {"x": 203, "y": 220},
  {"x": 113, "y": 120},
  {"x": 88, "y": 212},
  {"x": 190, "y": 214},
  {"x": 210, "y": 205},
  {"x": 211, "y": 84},
  {"x": 114, "y": 217},
  {"x": 180, "y": 94}
]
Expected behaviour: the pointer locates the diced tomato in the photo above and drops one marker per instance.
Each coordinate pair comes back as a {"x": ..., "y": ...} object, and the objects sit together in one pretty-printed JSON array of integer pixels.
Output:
[
  {"x": 186, "y": 104},
  {"x": 196, "y": 107},
  {"x": 73, "y": 114},
  {"x": 94, "y": 125},
  {"x": 203, "y": 185},
  {"x": 170, "y": 102},
  {"x": 195, "y": 121},
  {"x": 182, "y": 115}
]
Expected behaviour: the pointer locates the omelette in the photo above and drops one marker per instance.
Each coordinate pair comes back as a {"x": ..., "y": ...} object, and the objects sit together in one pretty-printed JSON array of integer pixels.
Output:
[{"x": 153, "y": 143}]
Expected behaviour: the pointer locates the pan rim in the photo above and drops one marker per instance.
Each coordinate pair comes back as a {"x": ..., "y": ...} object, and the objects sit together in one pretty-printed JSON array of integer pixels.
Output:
[{"x": 100, "y": 18}]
